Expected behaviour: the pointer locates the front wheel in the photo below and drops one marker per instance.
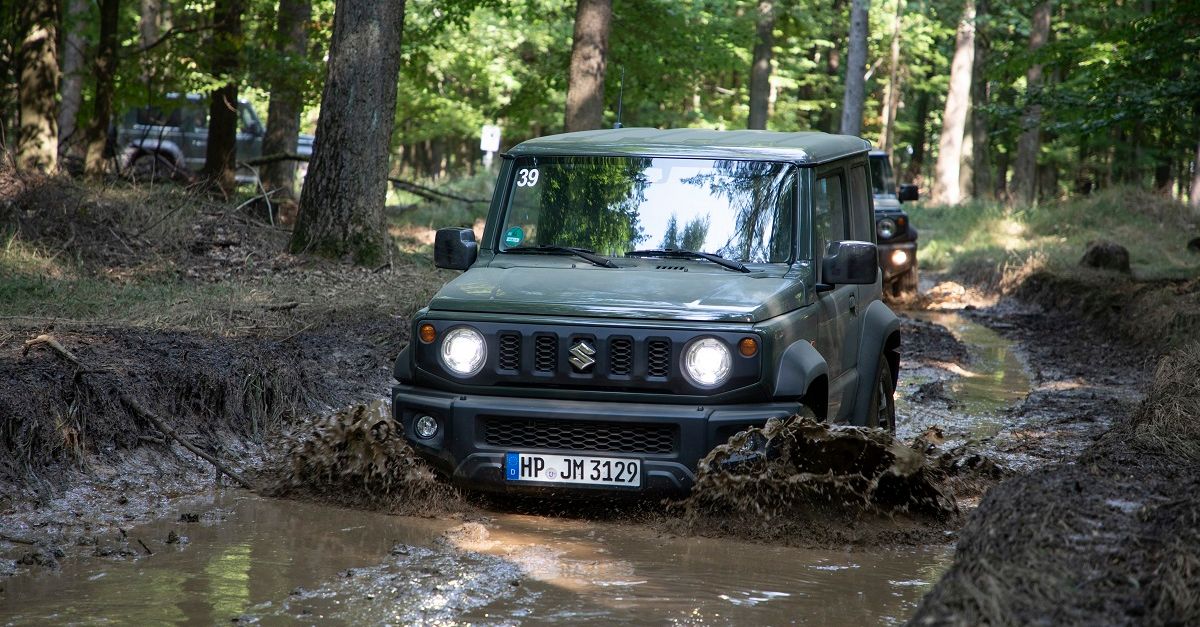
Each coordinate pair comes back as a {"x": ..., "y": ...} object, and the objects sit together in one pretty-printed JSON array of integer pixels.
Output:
[
  {"x": 882, "y": 412},
  {"x": 904, "y": 286}
]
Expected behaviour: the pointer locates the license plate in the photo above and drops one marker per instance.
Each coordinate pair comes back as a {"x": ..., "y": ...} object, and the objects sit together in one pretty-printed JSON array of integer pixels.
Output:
[{"x": 573, "y": 469}]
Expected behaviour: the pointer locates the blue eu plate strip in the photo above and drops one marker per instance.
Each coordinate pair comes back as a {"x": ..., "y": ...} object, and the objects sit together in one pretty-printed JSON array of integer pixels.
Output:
[{"x": 512, "y": 466}]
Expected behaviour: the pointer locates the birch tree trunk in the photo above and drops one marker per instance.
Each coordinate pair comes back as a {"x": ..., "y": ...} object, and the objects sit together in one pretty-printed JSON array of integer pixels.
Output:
[
  {"x": 341, "y": 205},
  {"x": 760, "y": 69},
  {"x": 220, "y": 157},
  {"x": 856, "y": 63},
  {"x": 37, "y": 91},
  {"x": 1024, "y": 181},
  {"x": 981, "y": 182},
  {"x": 1194, "y": 192},
  {"x": 589, "y": 54},
  {"x": 287, "y": 101},
  {"x": 946, "y": 189},
  {"x": 71, "y": 92},
  {"x": 891, "y": 93},
  {"x": 105, "y": 69}
]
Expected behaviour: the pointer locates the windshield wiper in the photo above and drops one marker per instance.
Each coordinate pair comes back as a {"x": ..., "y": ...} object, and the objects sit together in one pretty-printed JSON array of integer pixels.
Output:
[
  {"x": 680, "y": 253},
  {"x": 582, "y": 253}
]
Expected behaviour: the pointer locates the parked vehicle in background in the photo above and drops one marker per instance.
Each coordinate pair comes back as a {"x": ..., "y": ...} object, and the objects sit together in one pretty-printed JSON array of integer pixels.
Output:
[
  {"x": 641, "y": 295},
  {"x": 894, "y": 233},
  {"x": 170, "y": 141}
]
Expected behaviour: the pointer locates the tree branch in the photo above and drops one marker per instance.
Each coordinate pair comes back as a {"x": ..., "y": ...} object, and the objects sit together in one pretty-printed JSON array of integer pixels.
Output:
[
  {"x": 428, "y": 193},
  {"x": 133, "y": 405}
]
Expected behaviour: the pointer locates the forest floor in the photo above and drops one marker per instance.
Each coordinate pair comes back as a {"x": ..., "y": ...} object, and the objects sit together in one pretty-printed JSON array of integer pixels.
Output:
[{"x": 186, "y": 306}]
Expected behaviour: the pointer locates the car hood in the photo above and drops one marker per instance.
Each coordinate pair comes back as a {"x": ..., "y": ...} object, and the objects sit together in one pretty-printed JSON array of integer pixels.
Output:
[{"x": 701, "y": 293}]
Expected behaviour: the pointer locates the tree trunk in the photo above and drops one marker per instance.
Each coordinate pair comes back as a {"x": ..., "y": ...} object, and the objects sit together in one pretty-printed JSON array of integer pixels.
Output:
[
  {"x": 922, "y": 138},
  {"x": 105, "y": 69},
  {"x": 981, "y": 181},
  {"x": 856, "y": 63},
  {"x": 287, "y": 99},
  {"x": 37, "y": 92},
  {"x": 891, "y": 93},
  {"x": 341, "y": 206},
  {"x": 760, "y": 70},
  {"x": 220, "y": 158},
  {"x": 946, "y": 188},
  {"x": 589, "y": 53},
  {"x": 75, "y": 39},
  {"x": 1024, "y": 183},
  {"x": 1194, "y": 192},
  {"x": 150, "y": 27}
]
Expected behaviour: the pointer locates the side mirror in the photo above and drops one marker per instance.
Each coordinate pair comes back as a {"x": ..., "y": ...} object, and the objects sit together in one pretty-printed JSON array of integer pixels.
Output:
[
  {"x": 850, "y": 263},
  {"x": 455, "y": 248},
  {"x": 908, "y": 192}
]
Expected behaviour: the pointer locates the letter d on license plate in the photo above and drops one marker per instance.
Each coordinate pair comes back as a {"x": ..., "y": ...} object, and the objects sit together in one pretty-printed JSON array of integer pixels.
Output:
[{"x": 573, "y": 469}]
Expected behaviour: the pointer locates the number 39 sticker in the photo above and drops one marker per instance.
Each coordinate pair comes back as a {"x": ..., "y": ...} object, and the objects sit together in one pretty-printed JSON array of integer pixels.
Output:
[{"x": 527, "y": 177}]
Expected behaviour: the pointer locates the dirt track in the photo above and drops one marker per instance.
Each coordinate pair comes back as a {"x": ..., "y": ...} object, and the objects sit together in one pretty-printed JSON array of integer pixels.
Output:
[{"x": 76, "y": 511}]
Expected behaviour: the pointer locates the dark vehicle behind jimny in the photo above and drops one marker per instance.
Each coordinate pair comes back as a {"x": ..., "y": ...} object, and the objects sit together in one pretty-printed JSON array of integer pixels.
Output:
[
  {"x": 896, "y": 236},
  {"x": 639, "y": 296},
  {"x": 169, "y": 141}
]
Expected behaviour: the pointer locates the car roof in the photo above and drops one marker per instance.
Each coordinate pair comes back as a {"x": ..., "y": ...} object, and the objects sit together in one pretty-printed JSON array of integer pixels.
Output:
[{"x": 807, "y": 148}]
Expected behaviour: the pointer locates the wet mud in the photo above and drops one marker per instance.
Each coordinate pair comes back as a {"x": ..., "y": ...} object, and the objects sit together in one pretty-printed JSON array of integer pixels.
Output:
[{"x": 979, "y": 401}]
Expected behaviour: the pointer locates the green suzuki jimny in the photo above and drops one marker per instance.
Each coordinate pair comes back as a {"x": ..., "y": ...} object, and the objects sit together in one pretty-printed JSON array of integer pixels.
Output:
[{"x": 641, "y": 295}]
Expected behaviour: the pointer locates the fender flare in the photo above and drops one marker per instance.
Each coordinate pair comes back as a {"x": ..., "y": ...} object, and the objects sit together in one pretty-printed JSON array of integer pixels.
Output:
[
  {"x": 799, "y": 367},
  {"x": 880, "y": 334},
  {"x": 151, "y": 145},
  {"x": 403, "y": 368}
]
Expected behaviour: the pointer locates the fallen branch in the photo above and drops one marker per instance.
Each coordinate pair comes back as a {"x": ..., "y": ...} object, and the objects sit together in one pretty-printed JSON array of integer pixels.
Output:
[
  {"x": 136, "y": 407},
  {"x": 16, "y": 539},
  {"x": 428, "y": 193}
]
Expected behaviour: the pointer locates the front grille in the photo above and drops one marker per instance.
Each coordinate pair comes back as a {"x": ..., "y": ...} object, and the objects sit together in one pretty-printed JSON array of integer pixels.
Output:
[
  {"x": 574, "y": 435},
  {"x": 510, "y": 351},
  {"x": 620, "y": 356},
  {"x": 545, "y": 353},
  {"x": 659, "y": 358}
]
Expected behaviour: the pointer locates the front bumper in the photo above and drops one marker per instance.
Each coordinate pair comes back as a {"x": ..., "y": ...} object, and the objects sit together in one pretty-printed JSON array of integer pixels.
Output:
[
  {"x": 460, "y": 449},
  {"x": 889, "y": 267}
]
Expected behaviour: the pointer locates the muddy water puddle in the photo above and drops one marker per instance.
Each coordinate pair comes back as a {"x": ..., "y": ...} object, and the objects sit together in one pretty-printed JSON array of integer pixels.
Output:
[
  {"x": 275, "y": 561},
  {"x": 976, "y": 394}
]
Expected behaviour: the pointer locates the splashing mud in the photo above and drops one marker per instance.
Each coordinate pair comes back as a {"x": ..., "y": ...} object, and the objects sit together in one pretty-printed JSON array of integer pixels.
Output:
[
  {"x": 358, "y": 457},
  {"x": 798, "y": 462}
]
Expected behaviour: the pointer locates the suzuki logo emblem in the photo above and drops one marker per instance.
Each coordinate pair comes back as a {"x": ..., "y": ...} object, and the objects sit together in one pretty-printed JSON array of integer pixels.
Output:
[{"x": 582, "y": 356}]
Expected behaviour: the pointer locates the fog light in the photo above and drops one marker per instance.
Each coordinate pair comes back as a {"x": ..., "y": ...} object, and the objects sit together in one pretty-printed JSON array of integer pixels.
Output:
[
  {"x": 425, "y": 427},
  {"x": 899, "y": 257}
]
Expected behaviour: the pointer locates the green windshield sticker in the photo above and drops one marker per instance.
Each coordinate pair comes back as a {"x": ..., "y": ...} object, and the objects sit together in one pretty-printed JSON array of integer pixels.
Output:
[{"x": 514, "y": 236}]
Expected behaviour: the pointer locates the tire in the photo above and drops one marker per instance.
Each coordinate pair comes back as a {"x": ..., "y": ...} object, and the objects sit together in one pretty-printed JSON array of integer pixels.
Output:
[
  {"x": 904, "y": 286},
  {"x": 882, "y": 411},
  {"x": 152, "y": 167}
]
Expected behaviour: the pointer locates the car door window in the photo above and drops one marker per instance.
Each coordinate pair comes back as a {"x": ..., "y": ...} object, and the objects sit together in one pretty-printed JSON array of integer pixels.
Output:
[
  {"x": 829, "y": 212},
  {"x": 861, "y": 222}
]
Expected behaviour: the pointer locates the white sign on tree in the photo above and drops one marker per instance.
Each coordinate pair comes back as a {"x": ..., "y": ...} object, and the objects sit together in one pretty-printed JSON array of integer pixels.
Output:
[{"x": 489, "y": 142}]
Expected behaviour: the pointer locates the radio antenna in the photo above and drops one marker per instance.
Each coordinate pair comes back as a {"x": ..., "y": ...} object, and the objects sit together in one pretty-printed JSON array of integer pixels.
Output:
[{"x": 620, "y": 97}]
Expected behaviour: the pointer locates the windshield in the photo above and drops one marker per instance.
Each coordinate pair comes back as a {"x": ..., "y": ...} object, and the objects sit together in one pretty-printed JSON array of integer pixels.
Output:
[
  {"x": 740, "y": 210},
  {"x": 882, "y": 183}
]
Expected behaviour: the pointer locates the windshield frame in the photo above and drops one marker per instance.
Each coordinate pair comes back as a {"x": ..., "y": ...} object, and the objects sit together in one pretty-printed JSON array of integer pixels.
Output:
[{"x": 511, "y": 164}]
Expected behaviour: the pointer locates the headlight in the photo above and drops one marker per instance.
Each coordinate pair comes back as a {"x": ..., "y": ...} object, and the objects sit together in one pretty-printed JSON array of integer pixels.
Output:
[
  {"x": 707, "y": 362},
  {"x": 886, "y": 228},
  {"x": 463, "y": 351}
]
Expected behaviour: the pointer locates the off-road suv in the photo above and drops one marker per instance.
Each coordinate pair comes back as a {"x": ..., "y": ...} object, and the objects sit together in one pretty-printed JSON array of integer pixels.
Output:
[
  {"x": 171, "y": 141},
  {"x": 639, "y": 296},
  {"x": 896, "y": 236}
]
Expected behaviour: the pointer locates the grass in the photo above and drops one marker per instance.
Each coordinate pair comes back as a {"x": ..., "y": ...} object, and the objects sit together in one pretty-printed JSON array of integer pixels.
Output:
[
  {"x": 1153, "y": 228},
  {"x": 156, "y": 257}
]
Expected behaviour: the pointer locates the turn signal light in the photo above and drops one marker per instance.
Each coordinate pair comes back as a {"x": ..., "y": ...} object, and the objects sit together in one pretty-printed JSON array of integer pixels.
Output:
[
  {"x": 427, "y": 333},
  {"x": 748, "y": 347}
]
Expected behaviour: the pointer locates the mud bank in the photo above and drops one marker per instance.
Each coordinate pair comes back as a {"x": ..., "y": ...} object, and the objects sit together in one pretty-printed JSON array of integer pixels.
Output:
[
  {"x": 1110, "y": 538},
  {"x": 77, "y": 461}
]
